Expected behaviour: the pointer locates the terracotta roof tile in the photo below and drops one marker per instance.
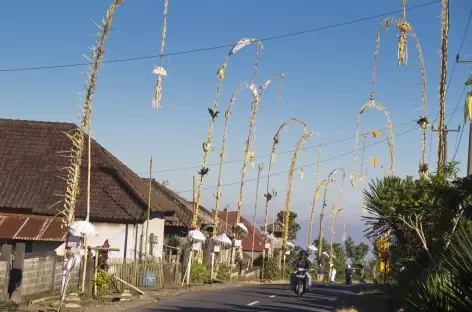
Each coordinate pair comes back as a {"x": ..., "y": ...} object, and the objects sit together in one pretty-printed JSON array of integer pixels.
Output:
[
  {"x": 247, "y": 241},
  {"x": 30, "y": 164}
]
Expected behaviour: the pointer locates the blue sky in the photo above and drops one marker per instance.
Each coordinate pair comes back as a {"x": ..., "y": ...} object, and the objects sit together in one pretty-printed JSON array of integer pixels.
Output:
[{"x": 328, "y": 78}]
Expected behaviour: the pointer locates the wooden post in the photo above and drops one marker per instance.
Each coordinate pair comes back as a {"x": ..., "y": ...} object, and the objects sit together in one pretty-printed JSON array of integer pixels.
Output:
[
  {"x": 149, "y": 208},
  {"x": 17, "y": 272},
  {"x": 7, "y": 256},
  {"x": 87, "y": 218},
  {"x": 95, "y": 274}
]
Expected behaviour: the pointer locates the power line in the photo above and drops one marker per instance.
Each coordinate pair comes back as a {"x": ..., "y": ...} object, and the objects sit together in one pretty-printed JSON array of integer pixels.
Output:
[
  {"x": 308, "y": 165},
  {"x": 266, "y": 156},
  {"x": 462, "y": 131},
  {"x": 221, "y": 46}
]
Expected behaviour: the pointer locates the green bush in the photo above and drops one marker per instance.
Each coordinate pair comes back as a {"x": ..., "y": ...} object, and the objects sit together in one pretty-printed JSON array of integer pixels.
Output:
[
  {"x": 8, "y": 306},
  {"x": 198, "y": 273},
  {"x": 103, "y": 282},
  {"x": 270, "y": 269},
  {"x": 223, "y": 272}
]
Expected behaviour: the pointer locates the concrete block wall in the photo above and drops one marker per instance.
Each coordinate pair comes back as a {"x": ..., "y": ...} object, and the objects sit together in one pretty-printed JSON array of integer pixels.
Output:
[
  {"x": 3, "y": 274},
  {"x": 73, "y": 279},
  {"x": 38, "y": 275}
]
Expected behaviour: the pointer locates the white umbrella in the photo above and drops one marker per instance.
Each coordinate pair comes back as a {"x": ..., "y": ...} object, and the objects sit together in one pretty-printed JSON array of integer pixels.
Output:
[
  {"x": 196, "y": 235},
  {"x": 222, "y": 239},
  {"x": 291, "y": 245},
  {"x": 243, "y": 227},
  {"x": 82, "y": 228},
  {"x": 271, "y": 237},
  {"x": 312, "y": 248}
]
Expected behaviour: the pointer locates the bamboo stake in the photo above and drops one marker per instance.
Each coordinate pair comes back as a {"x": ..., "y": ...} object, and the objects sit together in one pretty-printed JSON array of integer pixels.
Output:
[
  {"x": 313, "y": 204},
  {"x": 372, "y": 104},
  {"x": 260, "y": 168},
  {"x": 149, "y": 208},
  {"x": 222, "y": 152},
  {"x": 268, "y": 195},
  {"x": 406, "y": 29},
  {"x": 375, "y": 133},
  {"x": 320, "y": 236},
  {"x": 442, "y": 85},
  {"x": 87, "y": 218},
  {"x": 160, "y": 71},
  {"x": 288, "y": 197},
  {"x": 77, "y": 135},
  {"x": 207, "y": 144},
  {"x": 257, "y": 94}
]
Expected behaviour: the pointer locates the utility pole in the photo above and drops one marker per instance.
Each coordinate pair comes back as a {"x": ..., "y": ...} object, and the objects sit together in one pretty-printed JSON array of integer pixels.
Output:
[
  {"x": 444, "y": 152},
  {"x": 442, "y": 86},
  {"x": 469, "y": 160}
]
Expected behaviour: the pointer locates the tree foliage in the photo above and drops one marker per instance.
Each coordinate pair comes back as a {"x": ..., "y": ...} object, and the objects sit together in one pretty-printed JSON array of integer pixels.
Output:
[
  {"x": 339, "y": 261},
  {"x": 425, "y": 222},
  {"x": 356, "y": 253},
  {"x": 294, "y": 227}
]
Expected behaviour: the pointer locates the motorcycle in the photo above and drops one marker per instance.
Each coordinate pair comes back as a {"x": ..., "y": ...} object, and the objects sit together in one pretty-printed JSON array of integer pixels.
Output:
[{"x": 300, "y": 283}]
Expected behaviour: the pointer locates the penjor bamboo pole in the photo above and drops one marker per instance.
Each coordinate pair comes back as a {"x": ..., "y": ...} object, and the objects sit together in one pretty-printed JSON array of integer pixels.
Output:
[
  {"x": 207, "y": 144},
  {"x": 149, "y": 209},
  {"x": 87, "y": 218},
  {"x": 259, "y": 169}
]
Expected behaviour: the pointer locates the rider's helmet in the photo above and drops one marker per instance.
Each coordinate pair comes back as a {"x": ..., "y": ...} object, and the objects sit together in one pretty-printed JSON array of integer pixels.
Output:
[{"x": 302, "y": 254}]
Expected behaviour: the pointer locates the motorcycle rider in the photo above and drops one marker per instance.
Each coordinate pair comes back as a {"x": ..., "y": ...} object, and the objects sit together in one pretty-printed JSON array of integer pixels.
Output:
[{"x": 301, "y": 262}]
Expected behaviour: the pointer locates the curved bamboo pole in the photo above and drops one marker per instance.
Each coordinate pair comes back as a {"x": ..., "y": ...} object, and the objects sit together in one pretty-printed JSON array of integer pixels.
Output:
[
  {"x": 375, "y": 133},
  {"x": 288, "y": 198},
  {"x": 160, "y": 71},
  {"x": 372, "y": 104},
  {"x": 330, "y": 179},
  {"x": 268, "y": 195},
  {"x": 213, "y": 112},
  {"x": 336, "y": 209},
  {"x": 442, "y": 85},
  {"x": 405, "y": 29},
  {"x": 257, "y": 94},
  {"x": 316, "y": 194},
  {"x": 222, "y": 151},
  {"x": 260, "y": 167}
]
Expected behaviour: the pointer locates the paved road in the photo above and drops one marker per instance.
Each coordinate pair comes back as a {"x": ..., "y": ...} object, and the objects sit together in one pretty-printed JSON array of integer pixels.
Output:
[{"x": 252, "y": 298}]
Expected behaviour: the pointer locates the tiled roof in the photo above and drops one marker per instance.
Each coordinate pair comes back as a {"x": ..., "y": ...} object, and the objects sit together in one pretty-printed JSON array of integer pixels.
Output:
[
  {"x": 186, "y": 213},
  {"x": 30, "y": 166},
  {"x": 246, "y": 241},
  {"x": 30, "y": 227}
]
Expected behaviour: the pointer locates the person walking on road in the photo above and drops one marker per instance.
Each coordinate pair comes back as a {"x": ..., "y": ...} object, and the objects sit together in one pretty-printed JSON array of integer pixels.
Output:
[
  {"x": 321, "y": 271},
  {"x": 332, "y": 274}
]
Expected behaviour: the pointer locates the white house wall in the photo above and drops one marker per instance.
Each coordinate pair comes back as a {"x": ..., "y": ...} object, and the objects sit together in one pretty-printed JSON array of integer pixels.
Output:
[{"x": 118, "y": 237}]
